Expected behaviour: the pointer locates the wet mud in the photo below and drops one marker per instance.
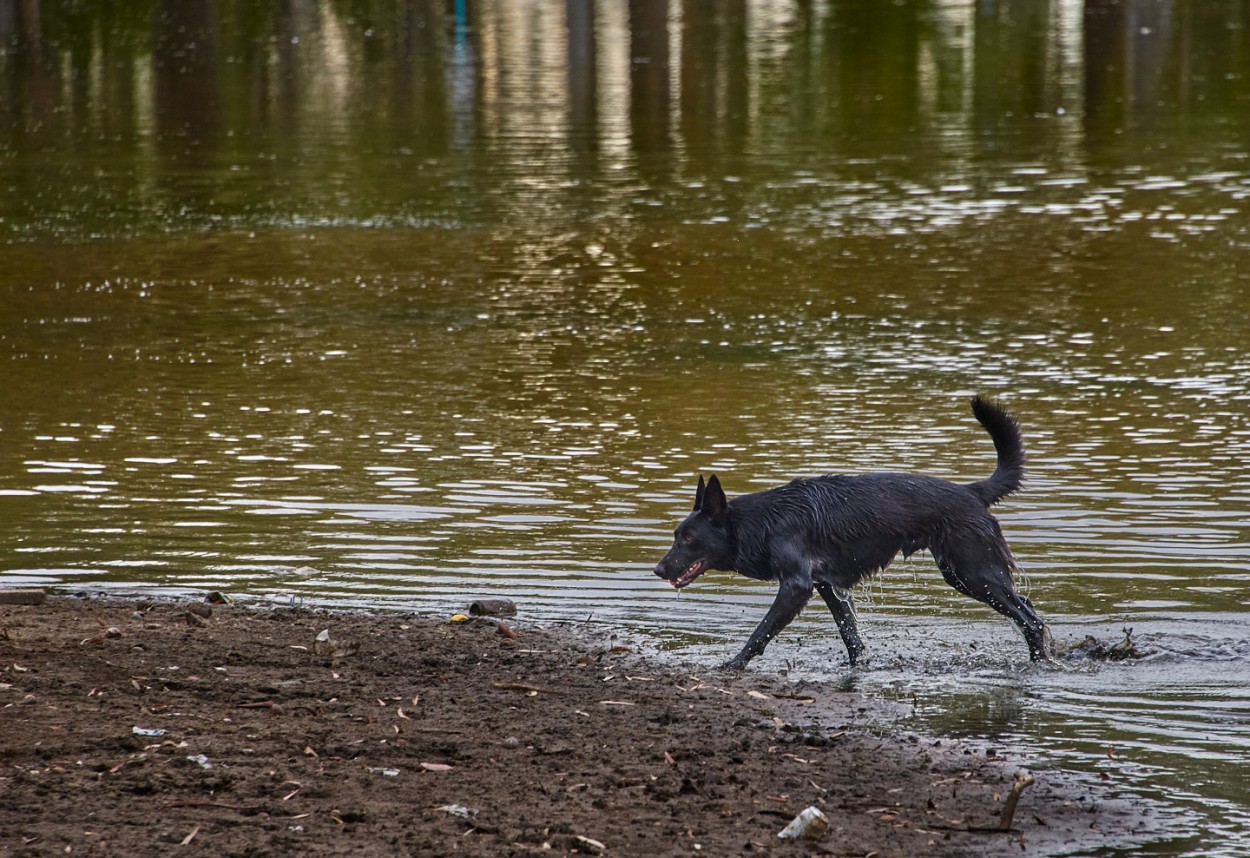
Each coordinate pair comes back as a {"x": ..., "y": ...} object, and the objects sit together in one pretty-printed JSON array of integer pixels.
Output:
[{"x": 152, "y": 728}]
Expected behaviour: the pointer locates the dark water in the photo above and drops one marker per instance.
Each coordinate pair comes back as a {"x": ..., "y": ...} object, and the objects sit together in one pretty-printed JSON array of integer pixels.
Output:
[{"x": 408, "y": 303}]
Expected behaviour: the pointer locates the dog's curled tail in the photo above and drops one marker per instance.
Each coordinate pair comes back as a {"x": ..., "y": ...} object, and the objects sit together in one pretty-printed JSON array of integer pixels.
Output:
[{"x": 1008, "y": 442}]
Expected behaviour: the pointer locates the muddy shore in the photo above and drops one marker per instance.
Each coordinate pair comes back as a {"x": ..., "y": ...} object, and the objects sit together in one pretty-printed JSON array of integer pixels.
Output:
[{"x": 157, "y": 728}]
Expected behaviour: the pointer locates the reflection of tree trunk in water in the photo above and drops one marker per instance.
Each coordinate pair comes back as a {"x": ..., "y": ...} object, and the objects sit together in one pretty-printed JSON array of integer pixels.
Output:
[
  {"x": 583, "y": 81},
  {"x": 30, "y": 30},
  {"x": 184, "y": 67},
  {"x": 648, "y": 75},
  {"x": 1126, "y": 47}
]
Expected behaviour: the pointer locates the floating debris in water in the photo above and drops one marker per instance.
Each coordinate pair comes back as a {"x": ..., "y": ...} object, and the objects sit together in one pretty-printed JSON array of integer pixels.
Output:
[{"x": 1091, "y": 648}]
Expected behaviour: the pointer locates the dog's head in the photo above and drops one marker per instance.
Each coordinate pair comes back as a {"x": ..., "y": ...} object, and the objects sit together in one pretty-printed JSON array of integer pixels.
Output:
[{"x": 702, "y": 541}]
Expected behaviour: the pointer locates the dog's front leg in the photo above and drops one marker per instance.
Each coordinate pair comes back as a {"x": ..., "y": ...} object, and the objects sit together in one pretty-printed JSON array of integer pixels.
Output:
[{"x": 791, "y": 598}]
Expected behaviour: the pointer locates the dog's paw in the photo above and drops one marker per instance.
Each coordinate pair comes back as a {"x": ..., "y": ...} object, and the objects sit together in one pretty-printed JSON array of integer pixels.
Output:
[{"x": 735, "y": 663}]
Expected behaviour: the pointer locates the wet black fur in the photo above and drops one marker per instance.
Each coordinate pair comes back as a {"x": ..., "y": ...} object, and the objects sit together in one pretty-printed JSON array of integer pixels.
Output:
[{"x": 829, "y": 533}]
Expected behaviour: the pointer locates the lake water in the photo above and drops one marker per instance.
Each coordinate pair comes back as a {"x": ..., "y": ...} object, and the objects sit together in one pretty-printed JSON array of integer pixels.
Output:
[{"x": 406, "y": 303}]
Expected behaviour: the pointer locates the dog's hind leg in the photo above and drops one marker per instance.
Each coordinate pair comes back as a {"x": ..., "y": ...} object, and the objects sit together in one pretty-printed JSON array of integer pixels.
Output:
[
  {"x": 842, "y": 607},
  {"x": 977, "y": 563},
  {"x": 791, "y": 597}
]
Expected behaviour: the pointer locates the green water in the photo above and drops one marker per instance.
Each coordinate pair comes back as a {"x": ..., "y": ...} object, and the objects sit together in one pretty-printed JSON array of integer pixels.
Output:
[{"x": 408, "y": 303}]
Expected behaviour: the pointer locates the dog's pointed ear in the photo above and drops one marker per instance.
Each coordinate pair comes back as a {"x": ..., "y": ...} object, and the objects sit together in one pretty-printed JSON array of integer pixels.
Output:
[
  {"x": 714, "y": 502},
  {"x": 698, "y": 494}
]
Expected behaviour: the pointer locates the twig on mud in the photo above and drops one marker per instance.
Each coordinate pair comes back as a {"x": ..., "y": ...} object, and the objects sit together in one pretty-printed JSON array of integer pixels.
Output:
[
  {"x": 524, "y": 686},
  {"x": 264, "y": 704},
  {"x": 241, "y": 808},
  {"x": 1004, "y": 820},
  {"x": 1013, "y": 798}
]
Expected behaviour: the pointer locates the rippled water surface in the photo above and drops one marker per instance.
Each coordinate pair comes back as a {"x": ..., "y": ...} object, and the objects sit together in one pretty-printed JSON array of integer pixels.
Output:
[{"x": 403, "y": 304}]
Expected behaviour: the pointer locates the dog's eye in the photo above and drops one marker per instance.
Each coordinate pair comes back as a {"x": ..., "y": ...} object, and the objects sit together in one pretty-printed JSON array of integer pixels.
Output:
[{"x": 688, "y": 538}]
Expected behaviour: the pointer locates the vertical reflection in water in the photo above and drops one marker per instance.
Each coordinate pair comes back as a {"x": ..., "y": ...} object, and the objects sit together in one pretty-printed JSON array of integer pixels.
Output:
[
  {"x": 583, "y": 77},
  {"x": 649, "y": 86}
]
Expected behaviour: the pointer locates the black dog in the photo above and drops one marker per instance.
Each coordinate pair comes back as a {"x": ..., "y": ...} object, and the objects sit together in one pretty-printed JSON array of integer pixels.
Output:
[{"x": 829, "y": 533}]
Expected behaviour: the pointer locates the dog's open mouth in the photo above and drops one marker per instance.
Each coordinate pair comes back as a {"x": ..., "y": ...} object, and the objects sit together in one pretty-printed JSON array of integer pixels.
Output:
[{"x": 695, "y": 570}]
